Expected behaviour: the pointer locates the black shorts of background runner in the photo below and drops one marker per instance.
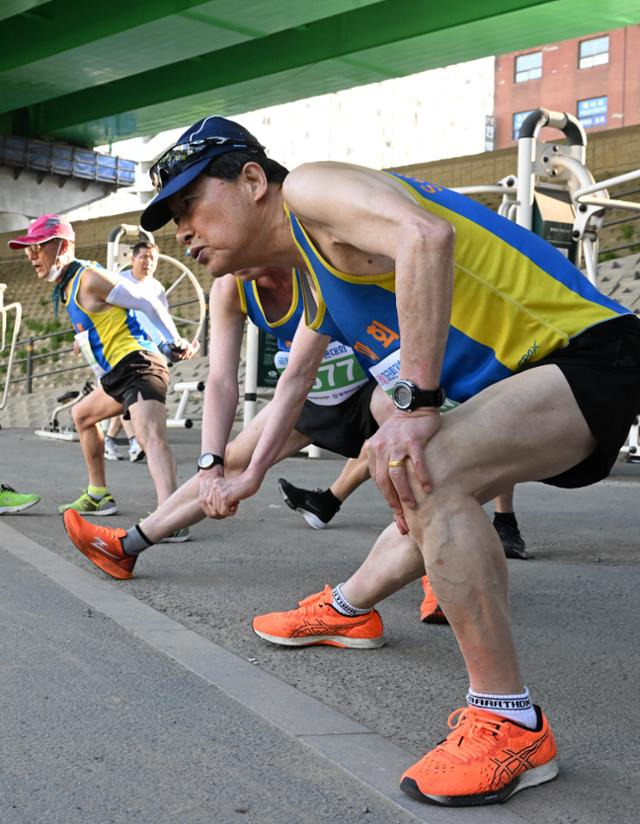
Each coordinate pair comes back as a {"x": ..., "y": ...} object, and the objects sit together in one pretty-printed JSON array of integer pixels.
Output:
[
  {"x": 137, "y": 374},
  {"x": 342, "y": 428},
  {"x": 602, "y": 367}
]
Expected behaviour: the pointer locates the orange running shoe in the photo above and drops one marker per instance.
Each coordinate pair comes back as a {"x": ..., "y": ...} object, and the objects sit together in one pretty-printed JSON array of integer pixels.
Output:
[
  {"x": 430, "y": 610},
  {"x": 484, "y": 760},
  {"x": 316, "y": 621},
  {"x": 100, "y": 544}
]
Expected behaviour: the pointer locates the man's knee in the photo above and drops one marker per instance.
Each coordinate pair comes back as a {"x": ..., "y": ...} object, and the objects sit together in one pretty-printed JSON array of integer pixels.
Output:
[
  {"x": 82, "y": 417},
  {"x": 380, "y": 406},
  {"x": 235, "y": 459},
  {"x": 447, "y": 461},
  {"x": 152, "y": 440},
  {"x": 436, "y": 512},
  {"x": 454, "y": 487}
]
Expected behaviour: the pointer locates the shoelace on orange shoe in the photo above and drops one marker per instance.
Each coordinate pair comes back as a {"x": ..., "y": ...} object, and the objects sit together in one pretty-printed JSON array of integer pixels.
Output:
[
  {"x": 110, "y": 533},
  {"x": 317, "y": 600},
  {"x": 473, "y": 734}
]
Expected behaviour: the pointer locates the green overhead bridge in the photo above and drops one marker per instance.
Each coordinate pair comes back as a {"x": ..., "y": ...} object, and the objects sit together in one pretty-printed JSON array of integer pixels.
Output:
[{"x": 88, "y": 72}]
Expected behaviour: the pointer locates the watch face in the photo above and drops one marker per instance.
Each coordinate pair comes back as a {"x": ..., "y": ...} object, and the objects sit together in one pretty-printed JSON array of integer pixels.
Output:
[
  {"x": 206, "y": 461},
  {"x": 402, "y": 396}
]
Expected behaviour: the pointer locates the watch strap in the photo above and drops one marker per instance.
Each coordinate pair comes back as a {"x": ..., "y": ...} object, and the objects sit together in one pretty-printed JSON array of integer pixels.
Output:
[
  {"x": 428, "y": 397},
  {"x": 218, "y": 460}
]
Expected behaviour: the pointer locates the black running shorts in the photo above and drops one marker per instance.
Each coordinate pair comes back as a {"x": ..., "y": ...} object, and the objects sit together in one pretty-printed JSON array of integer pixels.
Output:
[
  {"x": 342, "y": 428},
  {"x": 602, "y": 367},
  {"x": 139, "y": 374}
]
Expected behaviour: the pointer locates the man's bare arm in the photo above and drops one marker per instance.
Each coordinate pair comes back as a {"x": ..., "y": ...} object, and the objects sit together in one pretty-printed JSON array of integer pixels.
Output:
[
  {"x": 293, "y": 387},
  {"x": 225, "y": 341},
  {"x": 307, "y": 350},
  {"x": 367, "y": 222},
  {"x": 373, "y": 221}
]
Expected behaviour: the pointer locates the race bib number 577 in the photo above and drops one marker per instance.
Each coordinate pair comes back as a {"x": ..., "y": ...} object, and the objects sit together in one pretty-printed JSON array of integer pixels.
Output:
[{"x": 339, "y": 375}]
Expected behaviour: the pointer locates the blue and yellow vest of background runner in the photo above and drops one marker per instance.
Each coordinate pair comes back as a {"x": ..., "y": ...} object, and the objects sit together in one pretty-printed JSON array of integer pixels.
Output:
[
  {"x": 105, "y": 337},
  {"x": 515, "y": 299},
  {"x": 339, "y": 375}
]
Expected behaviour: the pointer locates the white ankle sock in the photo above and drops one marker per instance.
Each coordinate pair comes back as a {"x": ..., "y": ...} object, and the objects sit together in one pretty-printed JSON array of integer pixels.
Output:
[
  {"x": 516, "y": 708},
  {"x": 341, "y": 605}
]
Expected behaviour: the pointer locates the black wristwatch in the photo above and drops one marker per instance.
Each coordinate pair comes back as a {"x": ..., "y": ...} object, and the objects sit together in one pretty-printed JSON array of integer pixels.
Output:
[
  {"x": 208, "y": 460},
  {"x": 408, "y": 397}
]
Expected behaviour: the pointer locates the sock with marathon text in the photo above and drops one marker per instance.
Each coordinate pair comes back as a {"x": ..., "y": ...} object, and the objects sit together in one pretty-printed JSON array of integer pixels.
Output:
[
  {"x": 341, "y": 605},
  {"x": 516, "y": 708},
  {"x": 97, "y": 492},
  {"x": 135, "y": 541}
]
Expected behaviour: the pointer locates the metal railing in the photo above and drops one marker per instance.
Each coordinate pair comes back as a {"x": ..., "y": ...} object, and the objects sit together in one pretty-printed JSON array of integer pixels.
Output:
[{"x": 28, "y": 361}]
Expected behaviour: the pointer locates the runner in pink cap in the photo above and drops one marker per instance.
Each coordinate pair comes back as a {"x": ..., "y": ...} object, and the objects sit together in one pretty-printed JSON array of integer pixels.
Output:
[{"x": 131, "y": 368}]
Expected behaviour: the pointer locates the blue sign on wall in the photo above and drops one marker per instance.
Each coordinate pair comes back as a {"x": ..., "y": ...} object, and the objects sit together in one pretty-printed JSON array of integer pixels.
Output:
[{"x": 593, "y": 112}]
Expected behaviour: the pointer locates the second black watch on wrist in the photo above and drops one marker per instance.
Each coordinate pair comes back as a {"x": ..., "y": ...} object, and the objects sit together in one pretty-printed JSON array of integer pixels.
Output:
[
  {"x": 407, "y": 396},
  {"x": 208, "y": 460}
]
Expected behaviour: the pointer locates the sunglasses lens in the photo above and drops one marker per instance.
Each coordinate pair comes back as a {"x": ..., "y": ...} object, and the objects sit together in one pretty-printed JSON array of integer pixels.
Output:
[{"x": 180, "y": 157}]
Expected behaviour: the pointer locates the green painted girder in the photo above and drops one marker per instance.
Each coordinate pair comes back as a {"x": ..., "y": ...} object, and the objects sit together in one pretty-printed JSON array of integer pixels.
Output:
[
  {"x": 335, "y": 36},
  {"x": 76, "y": 62},
  {"x": 9, "y": 8},
  {"x": 365, "y": 44},
  {"x": 60, "y": 25}
]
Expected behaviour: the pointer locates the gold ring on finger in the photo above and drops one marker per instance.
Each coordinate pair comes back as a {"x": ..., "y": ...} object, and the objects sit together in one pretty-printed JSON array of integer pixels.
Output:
[{"x": 394, "y": 464}]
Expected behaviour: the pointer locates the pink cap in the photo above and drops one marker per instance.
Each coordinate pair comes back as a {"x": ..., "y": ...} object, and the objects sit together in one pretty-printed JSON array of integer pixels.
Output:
[{"x": 45, "y": 228}]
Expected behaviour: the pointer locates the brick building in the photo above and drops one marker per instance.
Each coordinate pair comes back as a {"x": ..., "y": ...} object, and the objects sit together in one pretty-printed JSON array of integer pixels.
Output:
[{"x": 596, "y": 78}]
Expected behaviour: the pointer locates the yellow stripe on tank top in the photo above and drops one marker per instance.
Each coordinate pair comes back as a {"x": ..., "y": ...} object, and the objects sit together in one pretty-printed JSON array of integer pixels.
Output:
[
  {"x": 386, "y": 280},
  {"x": 242, "y": 296},
  {"x": 117, "y": 341},
  {"x": 489, "y": 308},
  {"x": 290, "y": 311}
]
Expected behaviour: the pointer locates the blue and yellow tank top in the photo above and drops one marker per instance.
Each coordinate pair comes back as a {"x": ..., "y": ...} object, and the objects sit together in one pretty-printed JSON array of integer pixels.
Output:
[
  {"x": 339, "y": 375},
  {"x": 515, "y": 298},
  {"x": 104, "y": 337}
]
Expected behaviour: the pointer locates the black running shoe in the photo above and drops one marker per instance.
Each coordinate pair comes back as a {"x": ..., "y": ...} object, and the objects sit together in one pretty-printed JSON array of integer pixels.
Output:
[
  {"x": 315, "y": 505},
  {"x": 512, "y": 541}
]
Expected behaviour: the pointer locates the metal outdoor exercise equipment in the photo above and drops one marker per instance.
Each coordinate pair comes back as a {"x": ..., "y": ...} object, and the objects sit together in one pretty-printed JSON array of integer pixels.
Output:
[
  {"x": 56, "y": 431},
  {"x": 4, "y": 315},
  {"x": 557, "y": 197}
]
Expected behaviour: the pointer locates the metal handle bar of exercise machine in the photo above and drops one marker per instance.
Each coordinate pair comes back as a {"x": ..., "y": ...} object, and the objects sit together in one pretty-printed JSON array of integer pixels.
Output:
[
  {"x": 179, "y": 421},
  {"x": 4, "y": 311},
  {"x": 528, "y": 147}
]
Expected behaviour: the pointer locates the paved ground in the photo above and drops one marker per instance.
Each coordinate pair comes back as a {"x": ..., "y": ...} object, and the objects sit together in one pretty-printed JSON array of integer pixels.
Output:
[{"x": 575, "y": 612}]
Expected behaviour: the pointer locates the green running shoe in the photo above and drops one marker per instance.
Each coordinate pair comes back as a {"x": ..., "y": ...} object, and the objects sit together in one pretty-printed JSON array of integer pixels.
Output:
[
  {"x": 90, "y": 506},
  {"x": 12, "y": 501}
]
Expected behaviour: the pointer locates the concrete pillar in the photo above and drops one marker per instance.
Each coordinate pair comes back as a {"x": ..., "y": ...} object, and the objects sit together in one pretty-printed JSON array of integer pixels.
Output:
[{"x": 25, "y": 194}]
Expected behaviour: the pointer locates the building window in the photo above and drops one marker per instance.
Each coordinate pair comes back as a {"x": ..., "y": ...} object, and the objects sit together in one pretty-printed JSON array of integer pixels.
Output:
[
  {"x": 518, "y": 120},
  {"x": 594, "y": 52},
  {"x": 528, "y": 67},
  {"x": 593, "y": 111}
]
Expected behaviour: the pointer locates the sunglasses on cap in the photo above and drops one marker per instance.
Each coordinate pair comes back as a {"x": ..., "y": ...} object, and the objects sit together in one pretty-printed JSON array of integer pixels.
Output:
[{"x": 180, "y": 157}]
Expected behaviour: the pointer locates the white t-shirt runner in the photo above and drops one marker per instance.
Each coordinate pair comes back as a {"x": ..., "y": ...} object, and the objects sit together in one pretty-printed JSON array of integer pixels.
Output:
[{"x": 153, "y": 289}]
